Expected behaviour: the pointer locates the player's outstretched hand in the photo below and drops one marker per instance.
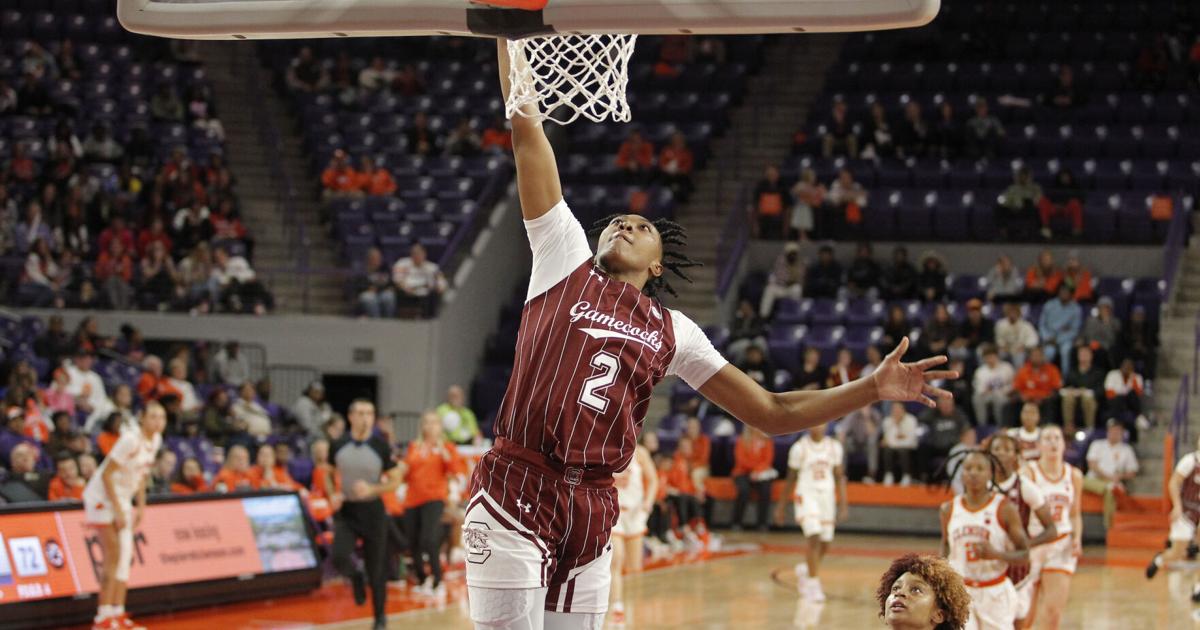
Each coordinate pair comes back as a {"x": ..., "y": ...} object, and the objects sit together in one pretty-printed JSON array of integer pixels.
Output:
[{"x": 910, "y": 381}]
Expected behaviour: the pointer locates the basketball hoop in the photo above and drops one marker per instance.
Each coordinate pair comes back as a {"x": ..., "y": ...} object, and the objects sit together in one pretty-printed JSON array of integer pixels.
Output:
[{"x": 582, "y": 75}]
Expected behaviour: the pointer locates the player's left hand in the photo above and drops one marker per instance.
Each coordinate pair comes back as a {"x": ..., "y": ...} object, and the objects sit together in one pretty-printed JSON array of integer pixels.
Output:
[{"x": 910, "y": 381}]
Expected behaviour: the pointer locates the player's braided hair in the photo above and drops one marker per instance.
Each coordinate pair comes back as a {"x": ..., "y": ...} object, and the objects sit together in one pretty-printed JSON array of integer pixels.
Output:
[
  {"x": 954, "y": 463},
  {"x": 674, "y": 260}
]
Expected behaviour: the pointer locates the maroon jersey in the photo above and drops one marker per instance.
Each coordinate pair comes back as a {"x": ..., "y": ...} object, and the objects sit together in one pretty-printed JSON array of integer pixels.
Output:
[
  {"x": 1189, "y": 492},
  {"x": 1018, "y": 491},
  {"x": 589, "y": 352}
]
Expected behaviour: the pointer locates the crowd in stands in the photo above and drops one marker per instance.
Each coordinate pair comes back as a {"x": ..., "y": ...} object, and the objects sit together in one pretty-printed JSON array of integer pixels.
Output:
[{"x": 125, "y": 205}]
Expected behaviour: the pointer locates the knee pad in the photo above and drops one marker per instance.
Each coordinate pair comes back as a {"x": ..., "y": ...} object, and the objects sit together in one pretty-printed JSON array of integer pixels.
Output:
[
  {"x": 574, "y": 621},
  {"x": 507, "y": 609},
  {"x": 124, "y": 553}
]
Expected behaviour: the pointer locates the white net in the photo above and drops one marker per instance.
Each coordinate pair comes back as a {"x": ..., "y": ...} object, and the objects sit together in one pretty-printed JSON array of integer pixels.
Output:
[{"x": 568, "y": 76}]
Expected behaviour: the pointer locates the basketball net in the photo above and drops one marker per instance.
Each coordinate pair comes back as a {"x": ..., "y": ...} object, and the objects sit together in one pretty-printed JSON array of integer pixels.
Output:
[{"x": 568, "y": 76}]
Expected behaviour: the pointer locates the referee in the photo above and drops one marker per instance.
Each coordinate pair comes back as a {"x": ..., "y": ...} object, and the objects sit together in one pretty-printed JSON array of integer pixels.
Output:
[{"x": 362, "y": 460}]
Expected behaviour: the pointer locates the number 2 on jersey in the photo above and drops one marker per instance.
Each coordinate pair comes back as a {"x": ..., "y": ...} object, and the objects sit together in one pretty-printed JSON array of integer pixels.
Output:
[{"x": 594, "y": 386}]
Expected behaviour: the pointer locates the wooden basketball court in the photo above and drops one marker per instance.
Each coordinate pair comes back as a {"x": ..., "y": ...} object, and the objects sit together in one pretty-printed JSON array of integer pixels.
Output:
[{"x": 749, "y": 584}]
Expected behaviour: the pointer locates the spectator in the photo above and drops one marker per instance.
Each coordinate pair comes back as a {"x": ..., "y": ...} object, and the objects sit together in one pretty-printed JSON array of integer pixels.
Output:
[
  {"x": 159, "y": 278},
  {"x": 1102, "y": 331},
  {"x": 938, "y": 332},
  {"x": 192, "y": 225},
  {"x": 847, "y": 198},
  {"x": 974, "y": 331},
  {"x": 1123, "y": 387},
  {"x": 161, "y": 473},
  {"x": 8, "y": 98},
  {"x": 1042, "y": 278},
  {"x": 899, "y": 443},
  {"x": 25, "y": 483},
  {"x": 65, "y": 136},
  {"x": 896, "y": 326},
  {"x": 1066, "y": 94},
  {"x": 900, "y": 279},
  {"x": 1059, "y": 325},
  {"x": 42, "y": 279},
  {"x": 375, "y": 181},
  {"x": 189, "y": 402},
  {"x": 153, "y": 385},
  {"x": 1065, "y": 198},
  {"x": 993, "y": 387},
  {"x": 943, "y": 429},
  {"x": 268, "y": 473},
  {"x": 339, "y": 178},
  {"x": 248, "y": 414},
  {"x": 753, "y": 471},
  {"x": 235, "y": 475},
  {"x": 756, "y": 366},
  {"x": 54, "y": 343},
  {"x": 931, "y": 283},
  {"x": 1153, "y": 65},
  {"x": 1077, "y": 278},
  {"x": 154, "y": 232},
  {"x": 114, "y": 269},
  {"x": 1084, "y": 387},
  {"x": 195, "y": 275},
  {"x": 63, "y": 431},
  {"x": 497, "y": 136},
  {"x": 844, "y": 370},
  {"x": 874, "y": 358},
  {"x": 1140, "y": 339},
  {"x": 117, "y": 230},
  {"x": 87, "y": 466},
  {"x": 408, "y": 81},
  {"x": 786, "y": 279},
  {"x": 189, "y": 479},
  {"x": 458, "y": 421},
  {"x": 812, "y": 374},
  {"x": 675, "y": 163},
  {"x": 305, "y": 73},
  {"x": 879, "y": 138},
  {"x": 746, "y": 329},
  {"x": 863, "y": 276},
  {"x": 1017, "y": 213},
  {"x": 376, "y": 76},
  {"x": 419, "y": 281},
  {"x": 682, "y": 493},
  {"x": 771, "y": 201},
  {"x": 32, "y": 229},
  {"x": 1015, "y": 337},
  {"x": 67, "y": 484},
  {"x": 809, "y": 196},
  {"x": 85, "y": 385},
  {"x": 311, "y": 410},
  {"x": 422, "y": 139},
  {"x": 839, "y": 138},
  {"x": 464, "y": 140},
  {"x": 217, "y": 417},
  {"x": 109, "y": 433},
  {"x": 165, "y": 105},
  {"x": 232, "y": 367},
  {"x": 1003, "y": 282},
  {"x": 983, "y": 131},
  {"x": 376, "y": 295},
  {"x": 913, "y": 135},
  {"x": 237, "y": 285},
  {"x": 21, "y": 169},
  {"x": 859, "y": 433},
  {"x": 1037, "y": 382},
  {"x": 1111, "y": 462},
  {"x": 824, "y": 279},
  {"x": 701, "y": 451},
  {"x": 100, "y": 146},
  {"x": 325, "y": 481}
]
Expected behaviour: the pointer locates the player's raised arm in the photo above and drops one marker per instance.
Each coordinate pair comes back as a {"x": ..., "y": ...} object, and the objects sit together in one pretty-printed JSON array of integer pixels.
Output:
[
  {"x": 779, "y": 414},
  {"x": 537, "y": 172}
]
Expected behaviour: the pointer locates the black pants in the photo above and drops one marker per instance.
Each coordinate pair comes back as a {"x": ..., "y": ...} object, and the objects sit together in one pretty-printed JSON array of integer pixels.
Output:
[
  {"x": 397, "y": 546},
  {"x": 687, "y": 508},
  {"x": 423, "y": 525},
  {"x": 762, "y": 489},
  {"x": 659, "y": 521},
  {"x": 368, "y": 521},
  {"x": 894, "y": 456}
]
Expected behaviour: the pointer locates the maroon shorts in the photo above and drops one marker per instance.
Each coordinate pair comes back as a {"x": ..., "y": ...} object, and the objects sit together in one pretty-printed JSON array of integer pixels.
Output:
[{"x": 532, "y": 524}]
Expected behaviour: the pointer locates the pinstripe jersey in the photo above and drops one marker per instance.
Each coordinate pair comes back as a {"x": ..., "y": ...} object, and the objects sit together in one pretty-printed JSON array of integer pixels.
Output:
[{"x": 590, "y": 350}]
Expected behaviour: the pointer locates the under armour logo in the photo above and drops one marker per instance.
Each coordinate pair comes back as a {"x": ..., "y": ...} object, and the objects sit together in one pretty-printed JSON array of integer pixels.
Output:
[{"x": 526, "y": 506}]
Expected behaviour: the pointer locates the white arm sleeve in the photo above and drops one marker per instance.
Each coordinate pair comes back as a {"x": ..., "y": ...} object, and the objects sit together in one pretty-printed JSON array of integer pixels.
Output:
[
  {"x": 796, "y": 456},
  {"x": 695, "y": 360},
  {"x": 1032, "y": 495},
  {"x": 1185, "y": 466},
  {"x": 559, "y": 245}
]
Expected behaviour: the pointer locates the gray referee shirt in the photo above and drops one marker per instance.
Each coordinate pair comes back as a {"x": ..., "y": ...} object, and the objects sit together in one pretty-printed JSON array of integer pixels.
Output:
[{"x": 366, "y": 460}]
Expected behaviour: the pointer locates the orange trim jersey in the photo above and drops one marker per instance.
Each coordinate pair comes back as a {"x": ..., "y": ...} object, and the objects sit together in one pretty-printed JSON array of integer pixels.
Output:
[{"x": 429, "y": 471}]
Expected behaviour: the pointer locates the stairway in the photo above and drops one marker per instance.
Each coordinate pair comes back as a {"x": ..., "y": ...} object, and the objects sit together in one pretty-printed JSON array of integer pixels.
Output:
[
  {"x": 776, "y": 104},
  {"x": 276, "y": 246}
]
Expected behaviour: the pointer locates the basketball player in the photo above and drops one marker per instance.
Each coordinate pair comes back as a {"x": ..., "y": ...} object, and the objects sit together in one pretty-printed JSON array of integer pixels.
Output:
[
  {"x": 1028, "y": 433},
  {"x": 819, "y": 499},
  {"x": 922, "y": 593},
  {"x": 1184, "y": 490},
  {"x": 1028, "y": 499},
  {"x": 636, "y": 488},
  {"x": 594, "y": 340},
  {"x": 1062, "y": 486},
  {"x": 113, "y": 502},
  {"x": 982, "y": 535}
]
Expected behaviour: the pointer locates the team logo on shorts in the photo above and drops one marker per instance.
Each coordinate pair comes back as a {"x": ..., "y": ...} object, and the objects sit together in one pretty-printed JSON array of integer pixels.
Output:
[{"x": 476, "y": 539}]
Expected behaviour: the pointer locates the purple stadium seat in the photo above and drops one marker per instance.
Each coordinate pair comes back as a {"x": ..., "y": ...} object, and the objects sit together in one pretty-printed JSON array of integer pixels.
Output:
[
  {"x": 826, "y": 312},
  {"x": 864, "y": 312}
]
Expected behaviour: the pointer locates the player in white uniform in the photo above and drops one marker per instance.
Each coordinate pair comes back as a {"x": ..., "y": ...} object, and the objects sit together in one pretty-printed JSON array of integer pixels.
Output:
[
  {"x": 108, "y": 503},
  {"x": 1027, "y": 435},
  {"x": 819, "y": 501},
  {"x": 981, "y": 535},
  {"x": 1184, "y": 491},
  {"x": 636, "y": 487},
  {"x": 1028, "y": 500},
  {"x": 1062, "y": 486}
]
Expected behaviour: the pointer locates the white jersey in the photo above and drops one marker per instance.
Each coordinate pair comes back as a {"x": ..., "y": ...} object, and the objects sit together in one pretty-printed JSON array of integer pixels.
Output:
[
  {"x": 1060, "y": 496},
  {"x": 967, "y": 530},
  {"x": 134, "y": 455},
  {"x": 1027, "y": 442},
  {"x": 815, "y": 462},
  {"x": 631, "y": 488}
]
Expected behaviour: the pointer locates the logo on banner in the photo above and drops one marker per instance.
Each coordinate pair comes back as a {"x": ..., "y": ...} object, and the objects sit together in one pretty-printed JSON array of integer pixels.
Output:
[
  {"x": 54, "y": 554},
  {"x": 476, "y": 539}
]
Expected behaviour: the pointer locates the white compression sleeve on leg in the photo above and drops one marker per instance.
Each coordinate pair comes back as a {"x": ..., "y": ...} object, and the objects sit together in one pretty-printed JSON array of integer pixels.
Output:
[
  {"x": 507, "y": 608},
  {"x": 574, "y": 621},
  {"x": 125, "y": 553}
]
